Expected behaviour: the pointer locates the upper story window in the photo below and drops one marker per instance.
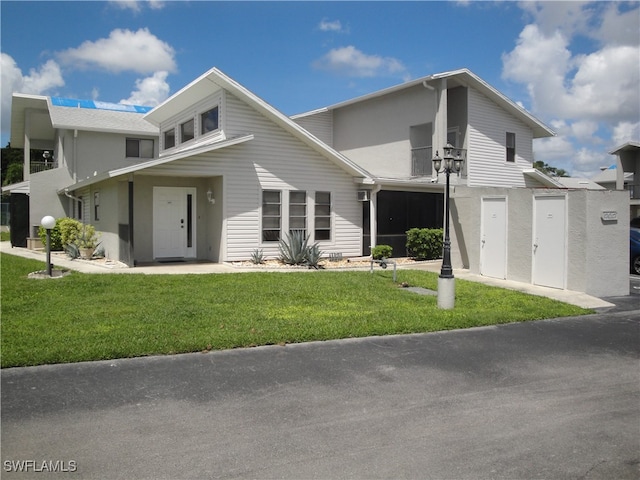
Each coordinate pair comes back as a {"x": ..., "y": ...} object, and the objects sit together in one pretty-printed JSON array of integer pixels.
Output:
[
  {"x": 139, "y": 148},
  {"x": 209, "y": 121},
  {"x": 202, "y": 120},
  {"x": 187, "y": 131},
  {"x": 511, "y": 147},
  {"x": 170, "y": 138}
]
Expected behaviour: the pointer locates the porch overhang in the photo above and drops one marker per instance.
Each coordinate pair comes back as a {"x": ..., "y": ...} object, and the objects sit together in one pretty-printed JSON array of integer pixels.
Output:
[
  {"x": 20, "y": 187},
  {"x": 540, "y": 177},
  {"x": 155, "y": 163}
]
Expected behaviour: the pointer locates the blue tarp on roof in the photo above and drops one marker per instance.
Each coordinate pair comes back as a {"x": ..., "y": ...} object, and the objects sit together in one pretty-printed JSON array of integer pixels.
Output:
[{"x": 97, "y": 105}]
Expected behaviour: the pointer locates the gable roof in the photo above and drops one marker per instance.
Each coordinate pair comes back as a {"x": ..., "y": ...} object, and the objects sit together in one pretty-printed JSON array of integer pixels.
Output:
[
  {"x": 214, "y": 80},
  {"x": 72, "y": 114},
  {"x": 462, "y": 77},
  {"x": 101, "y": 121}
]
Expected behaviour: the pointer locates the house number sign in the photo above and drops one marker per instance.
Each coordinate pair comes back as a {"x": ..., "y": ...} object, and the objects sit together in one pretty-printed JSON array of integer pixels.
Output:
[{"x": 609, "y": 215}]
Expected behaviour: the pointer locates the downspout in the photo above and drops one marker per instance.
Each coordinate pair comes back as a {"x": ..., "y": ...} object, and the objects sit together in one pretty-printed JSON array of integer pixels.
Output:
[
  {"x": 66, "y": 192},
  {"x": 74, "y": 156},
  {"x": 373, "y": 219}
]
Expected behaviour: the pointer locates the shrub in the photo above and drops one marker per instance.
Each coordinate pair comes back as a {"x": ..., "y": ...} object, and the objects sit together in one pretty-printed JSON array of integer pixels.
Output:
[
  {"x": 381, "y": 251},
  {"x": 425, "y": 243},
  {"x": 70, "y": 232},
  {"x": 56, "y": 236}
]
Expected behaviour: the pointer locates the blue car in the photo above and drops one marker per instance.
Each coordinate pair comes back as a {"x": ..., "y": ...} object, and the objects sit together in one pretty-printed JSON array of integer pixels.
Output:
[{"x": 635, "y": 250}]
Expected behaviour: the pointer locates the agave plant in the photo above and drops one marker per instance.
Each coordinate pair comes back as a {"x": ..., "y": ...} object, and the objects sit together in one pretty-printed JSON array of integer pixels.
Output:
[
  {"x": 313, "y": 256},
  {"x": 257, "y": 256},
  {"x": 293, "y": 249}
]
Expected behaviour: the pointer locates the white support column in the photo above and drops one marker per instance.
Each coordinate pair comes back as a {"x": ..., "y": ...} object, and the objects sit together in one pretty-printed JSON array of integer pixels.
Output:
[
  {"x": 26, "y": 168},
  {"x": 619, "y": 172},
  {"x": 440, "y": 122},
  {"x": 373, "y": 215}
]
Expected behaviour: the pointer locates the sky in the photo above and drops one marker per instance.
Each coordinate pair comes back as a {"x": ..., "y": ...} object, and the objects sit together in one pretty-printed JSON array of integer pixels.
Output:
[{"x": 574, "y": 65}]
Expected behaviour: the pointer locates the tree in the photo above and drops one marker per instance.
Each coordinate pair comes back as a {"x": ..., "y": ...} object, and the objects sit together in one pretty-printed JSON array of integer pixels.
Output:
[
  {"x": 549, "y": 170},
  {"x": 12, "y": 165}
]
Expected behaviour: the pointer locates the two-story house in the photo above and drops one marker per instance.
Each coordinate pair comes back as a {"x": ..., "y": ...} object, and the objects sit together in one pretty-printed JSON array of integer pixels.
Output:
[
  {"x": 394, "y": 134},
  {"x": 230, "y": 174}
]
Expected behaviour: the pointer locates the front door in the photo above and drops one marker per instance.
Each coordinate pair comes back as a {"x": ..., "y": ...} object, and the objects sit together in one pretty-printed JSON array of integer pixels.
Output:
[
  {"x": 173, "y": 222},
  {"x": 549, "y": 241},
  {"x": 493, "y": 247}
]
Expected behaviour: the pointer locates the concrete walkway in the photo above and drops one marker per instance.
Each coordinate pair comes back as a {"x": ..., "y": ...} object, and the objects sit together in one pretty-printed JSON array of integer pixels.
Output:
[{"x": 62, "y": 261}]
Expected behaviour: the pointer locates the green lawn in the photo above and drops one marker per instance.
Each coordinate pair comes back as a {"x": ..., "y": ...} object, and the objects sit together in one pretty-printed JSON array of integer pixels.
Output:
[{"x": 89, "y": 317}]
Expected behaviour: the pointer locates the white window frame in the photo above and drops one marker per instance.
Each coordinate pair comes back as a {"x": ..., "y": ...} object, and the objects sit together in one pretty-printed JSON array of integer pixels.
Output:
[
  {"x": 280, "y": 216},
  {"x": 139, "y": 141},
  {"x": 508, "y": 147},
  {"x": 316, "y": 216}
]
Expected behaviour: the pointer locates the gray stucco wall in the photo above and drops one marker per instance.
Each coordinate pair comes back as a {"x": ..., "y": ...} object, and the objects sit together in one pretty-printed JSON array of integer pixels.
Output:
[{"x": 597, "y": 250}]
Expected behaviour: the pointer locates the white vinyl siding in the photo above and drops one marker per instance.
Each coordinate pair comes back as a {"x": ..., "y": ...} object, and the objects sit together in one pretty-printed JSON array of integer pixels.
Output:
[
  {"x": 319, "y": 125},
  {"x": 273, "y": 160},
  {"x": 486, "y": 162}
]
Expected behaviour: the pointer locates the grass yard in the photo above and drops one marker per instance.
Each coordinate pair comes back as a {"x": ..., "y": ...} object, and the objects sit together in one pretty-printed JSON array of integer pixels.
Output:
[{"x": 91, "y": 317}]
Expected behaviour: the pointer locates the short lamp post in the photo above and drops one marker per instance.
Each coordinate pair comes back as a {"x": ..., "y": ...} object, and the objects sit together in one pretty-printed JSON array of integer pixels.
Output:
[
  {"x": 48, "y": 223},
  {"x": 446, "y": 281}
]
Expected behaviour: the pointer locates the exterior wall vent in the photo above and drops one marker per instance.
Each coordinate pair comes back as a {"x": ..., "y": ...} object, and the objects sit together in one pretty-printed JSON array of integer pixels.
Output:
[{"x": 364, "y": 195}]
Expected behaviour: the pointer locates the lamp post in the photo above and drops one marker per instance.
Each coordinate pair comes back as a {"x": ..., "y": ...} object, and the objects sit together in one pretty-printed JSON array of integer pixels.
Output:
[
  {"x": 48, "y": 223},
  {"x": 446, "y": 280}
]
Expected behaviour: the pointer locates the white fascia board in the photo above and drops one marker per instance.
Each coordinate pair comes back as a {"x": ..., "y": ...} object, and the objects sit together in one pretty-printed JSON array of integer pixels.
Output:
[
  {"x": 309, "y": 114},
  {"x": 631, "y": 145},
  {"x": 542, "y": 178},
  {"x": 20, "y": 187}
]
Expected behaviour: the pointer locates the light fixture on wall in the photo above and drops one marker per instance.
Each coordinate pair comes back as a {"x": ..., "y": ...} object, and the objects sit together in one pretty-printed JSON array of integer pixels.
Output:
[
  {"x": 210, "y": 196},
  {"x": 446, "y": 282}
]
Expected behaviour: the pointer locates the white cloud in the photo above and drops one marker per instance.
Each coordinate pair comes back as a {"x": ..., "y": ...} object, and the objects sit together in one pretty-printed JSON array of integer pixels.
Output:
[
  {"x": 331, "y": 26},
  {"x": 351, "y": 62},
  {"x": 38, "y": 82},
  {"x": 145, "y": 53},
  {"x": 150, "y": 91},
  {"x": 584, "y": 131},
  {"x": 625, "y": 131},
  {"x": 567, "y": 17},
  {"x": 136, "y": 5},
  {"x": 587, "y": 162},
  {"x": 596, "y": 93},
  {"x": 619, "y": 28},
  {"x": 552, "y": 149}
]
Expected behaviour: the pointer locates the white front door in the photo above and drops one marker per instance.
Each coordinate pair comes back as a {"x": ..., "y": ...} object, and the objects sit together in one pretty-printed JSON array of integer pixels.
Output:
[
  {"x": 493, "y": 247},
  {"x": 549, "y": 241},
  {"x": 173, "y": 222}
]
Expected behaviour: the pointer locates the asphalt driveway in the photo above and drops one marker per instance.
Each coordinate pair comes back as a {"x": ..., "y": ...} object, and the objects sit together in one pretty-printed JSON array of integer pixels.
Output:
[{"x": 550, "y": 399}]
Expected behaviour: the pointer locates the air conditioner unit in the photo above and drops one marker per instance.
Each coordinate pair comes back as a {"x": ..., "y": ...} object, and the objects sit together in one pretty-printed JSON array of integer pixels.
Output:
[{"x": 364, "y": 195}]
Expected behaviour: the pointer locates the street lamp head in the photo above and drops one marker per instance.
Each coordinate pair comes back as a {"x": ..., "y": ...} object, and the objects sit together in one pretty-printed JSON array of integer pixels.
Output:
[
  {"x": 458, "y": 161},
  {"x": 437, "y": 162},
  {"x": 48, "y": 222},
  {"x": 448, "y": 151}
]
